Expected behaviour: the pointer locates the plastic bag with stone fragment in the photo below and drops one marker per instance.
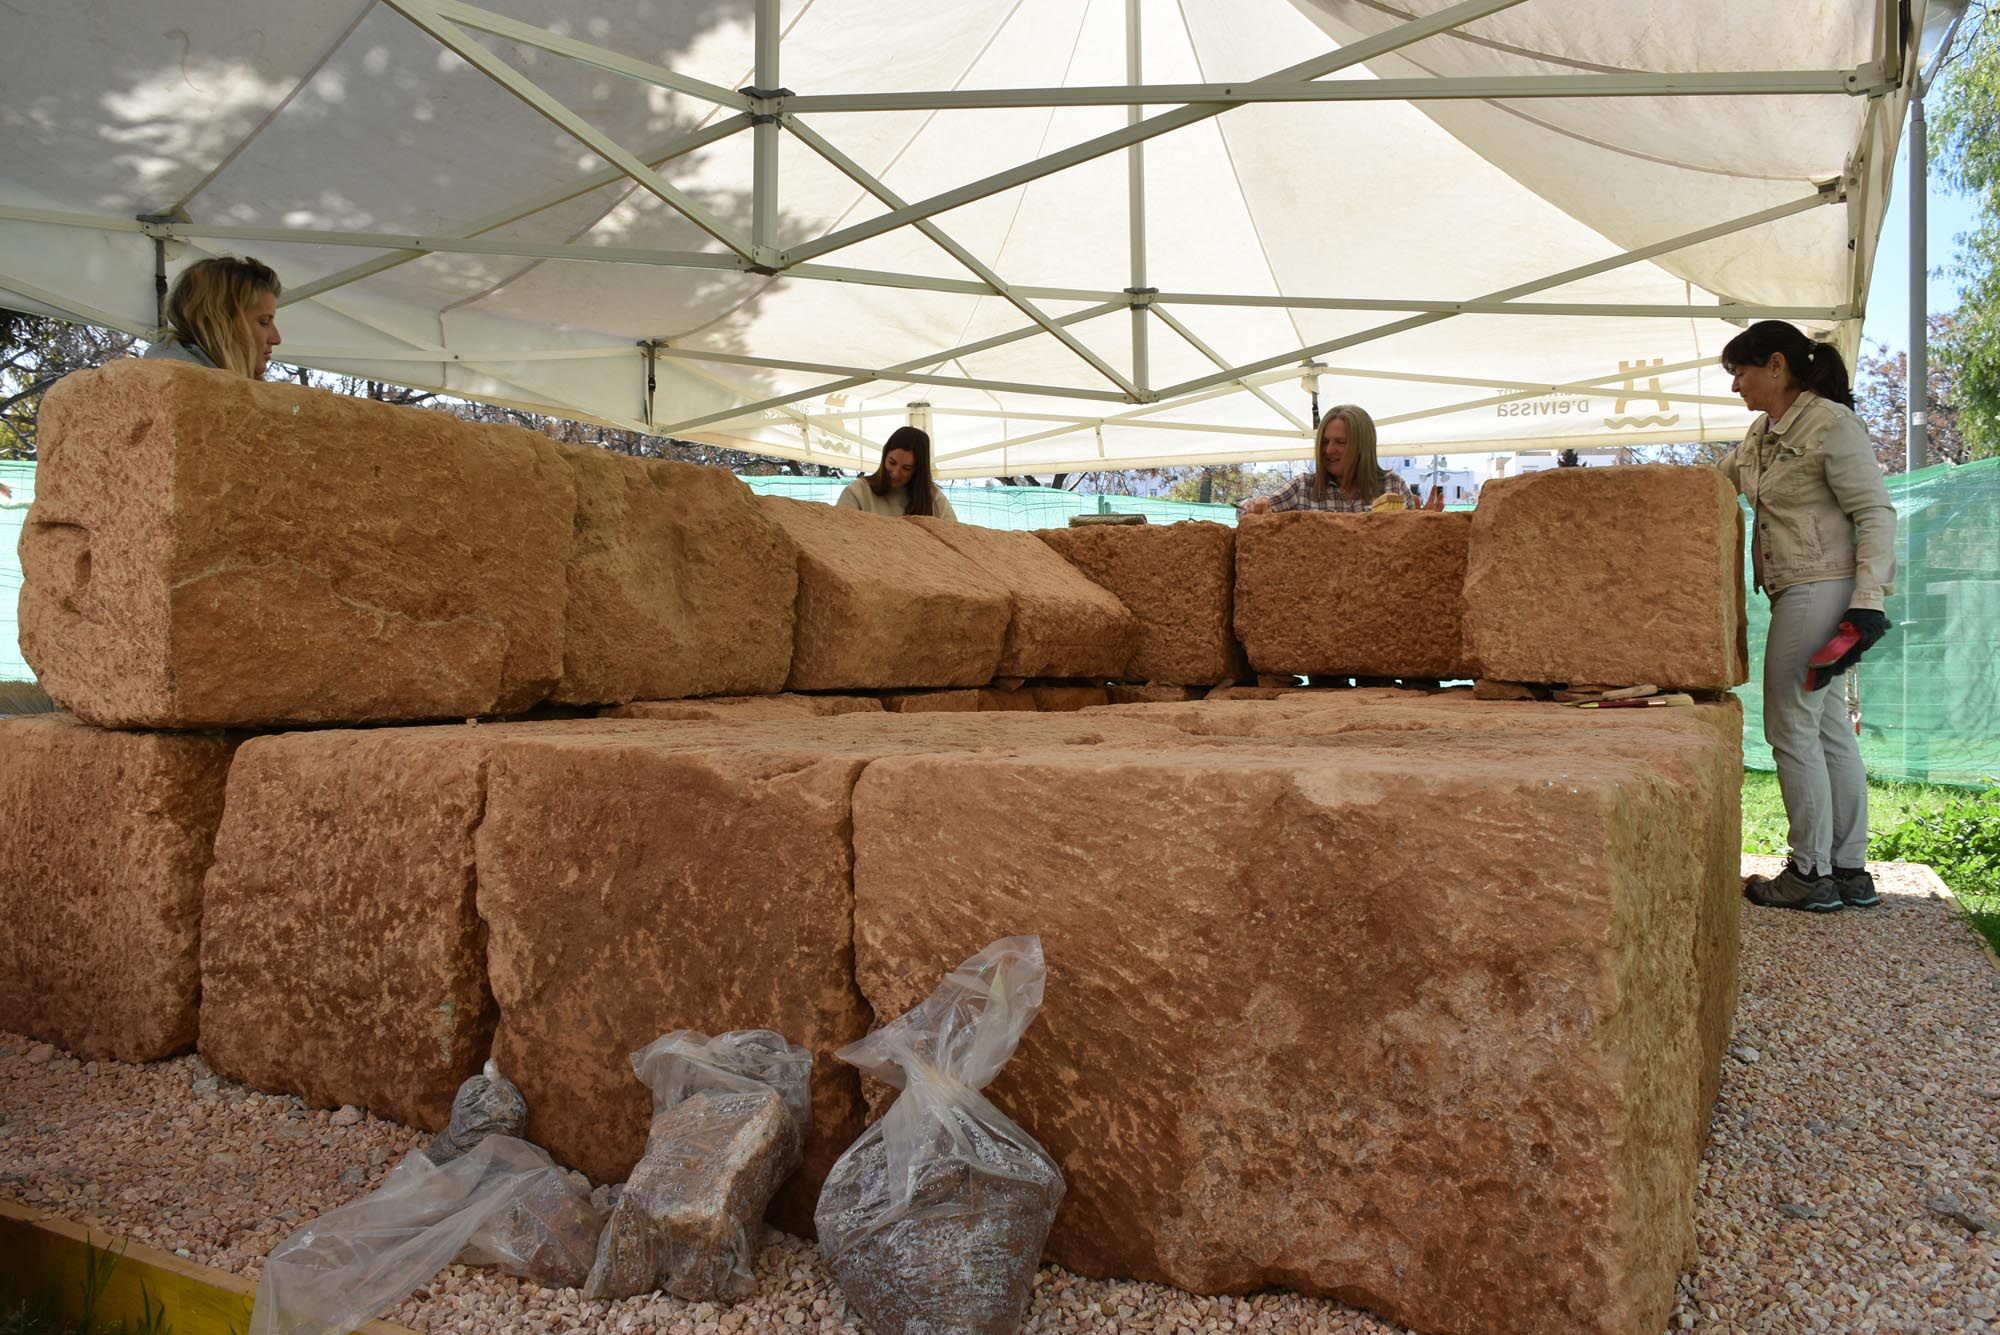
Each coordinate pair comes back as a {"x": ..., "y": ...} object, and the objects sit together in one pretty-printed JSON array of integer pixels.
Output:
[
  {"x": 487, "y": 1104},
  {"x": 547, "y": 1234},
  {"x": 359, "y": 1261},
  {"x": 935, "y": 1218},
  {"x": 730, "y": 1119}
]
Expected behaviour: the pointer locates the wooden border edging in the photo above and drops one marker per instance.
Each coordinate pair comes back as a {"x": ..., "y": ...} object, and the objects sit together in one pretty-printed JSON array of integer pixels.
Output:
[{"x": 43, "y": 1255}]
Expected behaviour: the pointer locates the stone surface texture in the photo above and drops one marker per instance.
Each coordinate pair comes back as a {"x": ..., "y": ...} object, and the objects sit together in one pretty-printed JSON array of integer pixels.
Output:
[
  {"x": 1613, "y": 576},
  {"x": 208, "y": 550},
  {"x": 723, "y": 709},
  {"x": 1271, "y": 1054},
  {"x": 678, "y": 584},
  {"x": 882, "y": 605},
  {"x": 1378, "y": 595},
  {"x": 1063, "y": 625},
  {"x": 934, "y": 702},
  {"x": 1179, "y": 581},
  {"x": 108, "y": 836},
  {"x": 637, "y": 883},
  {"x": 342, "y": 959},
  {"x": 1122, "y": 694}
]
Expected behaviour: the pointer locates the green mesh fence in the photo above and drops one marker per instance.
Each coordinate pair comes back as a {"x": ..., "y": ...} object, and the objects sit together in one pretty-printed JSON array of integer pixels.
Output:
[
  {"x": 1012, "y": 507},
  {"x": 1929, "y": 693},
  {"x": 19, "y": 478}
]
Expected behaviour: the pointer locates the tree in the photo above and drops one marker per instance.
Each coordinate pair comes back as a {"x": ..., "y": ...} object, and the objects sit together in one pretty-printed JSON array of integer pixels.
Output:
[
  {"x": 1882, "y": 401},
  {"x": 1965, "y": 146},
  {"x": 35, "y": 352}
]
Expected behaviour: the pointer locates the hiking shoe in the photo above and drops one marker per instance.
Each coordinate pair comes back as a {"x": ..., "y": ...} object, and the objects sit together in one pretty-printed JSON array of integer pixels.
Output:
[
  {"x": 1856, "y": 886},
  {"x": 1790, "y": 889}
]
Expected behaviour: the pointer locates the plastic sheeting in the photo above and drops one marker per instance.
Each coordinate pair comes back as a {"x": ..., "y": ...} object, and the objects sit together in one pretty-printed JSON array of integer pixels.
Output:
[{"x": 320, "y": 135}]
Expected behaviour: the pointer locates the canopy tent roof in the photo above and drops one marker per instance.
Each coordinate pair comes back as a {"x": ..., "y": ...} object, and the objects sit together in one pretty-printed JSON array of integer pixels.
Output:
[{"x": 1077, "y": 233}]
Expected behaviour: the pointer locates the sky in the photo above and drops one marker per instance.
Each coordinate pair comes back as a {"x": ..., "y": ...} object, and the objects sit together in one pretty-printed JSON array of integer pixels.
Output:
[{"x": 1887, "y": 320}]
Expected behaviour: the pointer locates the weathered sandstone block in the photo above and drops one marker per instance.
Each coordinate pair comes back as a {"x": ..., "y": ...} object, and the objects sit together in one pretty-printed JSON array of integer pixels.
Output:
[
  {"x": 722, "y": 709},
  {"x": 1179, "y": 580},
  {"x": 1377, "y": 595},
  {"x": 1699, "y": 748},
  {"x": 100, "y": 883},
  {"x": 884, "y": 605},
  {"x": 678, "y": 584},
  {"x": 1614, "y": 576},
  {"x": 1270, "y": 1054},
  {"x": 342, "y": 959},
  {"x": 1063, "y": 625},
  {"x": 1120, "y": 694},
  {"x": 630, "y": 888},
  {"x": 209, "y": 550}
]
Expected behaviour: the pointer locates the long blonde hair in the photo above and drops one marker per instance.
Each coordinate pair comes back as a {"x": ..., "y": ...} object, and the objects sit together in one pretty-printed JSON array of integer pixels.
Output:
[
  {"x": 208, "y": 305},
  {"x": 1359, "y": 464}
]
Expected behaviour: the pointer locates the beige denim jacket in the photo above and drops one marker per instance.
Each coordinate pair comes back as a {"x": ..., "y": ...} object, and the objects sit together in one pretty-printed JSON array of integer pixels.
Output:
[{"x": 1821, "y": 509}]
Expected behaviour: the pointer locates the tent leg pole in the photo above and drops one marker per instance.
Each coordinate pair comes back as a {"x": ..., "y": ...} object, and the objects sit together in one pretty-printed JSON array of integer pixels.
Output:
[{"x": 1135, "y": 208}]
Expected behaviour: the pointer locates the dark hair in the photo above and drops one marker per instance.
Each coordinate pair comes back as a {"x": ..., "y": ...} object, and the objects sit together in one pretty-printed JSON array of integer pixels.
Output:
[
  {"x": 1817, "y": 366},
  {"x": 918, "y": 443}
]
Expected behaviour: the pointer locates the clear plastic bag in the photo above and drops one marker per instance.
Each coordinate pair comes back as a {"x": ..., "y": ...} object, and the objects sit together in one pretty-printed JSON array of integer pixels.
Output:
[
  {"x": 547, "y": 1234},
  {"x": 357, "y": 1262},
  {"x": 487, "y": 1104},
  {"x": 935, "y": 1217},
  {"x": 730, "y": 1119}
]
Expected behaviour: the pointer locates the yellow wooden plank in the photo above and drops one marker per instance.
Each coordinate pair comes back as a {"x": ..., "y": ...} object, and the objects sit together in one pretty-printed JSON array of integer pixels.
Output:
[{"x": 46, "y": 1256}]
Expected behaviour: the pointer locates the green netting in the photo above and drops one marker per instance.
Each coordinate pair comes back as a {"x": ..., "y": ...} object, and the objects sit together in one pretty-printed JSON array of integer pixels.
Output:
[
  {"x": 20, "y": 479},
  {"x": 1930, "y": 692},
  {"x": 1012, "y": 507}
]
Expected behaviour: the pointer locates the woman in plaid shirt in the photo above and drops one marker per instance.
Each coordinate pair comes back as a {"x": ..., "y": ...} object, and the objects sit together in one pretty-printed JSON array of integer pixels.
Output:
[{"x": 1347, "y": 477}]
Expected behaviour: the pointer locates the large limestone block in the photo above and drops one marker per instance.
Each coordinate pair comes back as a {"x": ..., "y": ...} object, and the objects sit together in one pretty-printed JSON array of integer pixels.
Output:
[
  {"x": 342, "y": 956},
  {"x": 1613, "y": 576},
  {"x": 1378, "y": 595},
  {"x": 1179, "y": 581},
  {"x": 1411, "y": 1026},
  {"x": 631, "y": 887},
  {"x": 884, "y": 605},
  {"x": 1063, "y": 624},
  {"x": 679, "y": 584},
  {"x": 208, "y": 550},
  {"x": 108, "y": 834},
  {"x": 1698, "y": 747}
]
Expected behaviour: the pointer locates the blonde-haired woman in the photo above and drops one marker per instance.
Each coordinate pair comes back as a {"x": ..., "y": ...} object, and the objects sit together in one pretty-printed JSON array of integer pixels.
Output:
[
  {"x": 223, "y": 313},
  {"x": 1345, "y": 477}
]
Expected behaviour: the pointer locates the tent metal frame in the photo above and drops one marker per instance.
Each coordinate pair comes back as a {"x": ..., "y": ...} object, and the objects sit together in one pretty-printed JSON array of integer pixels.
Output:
[{"x": 770, "y": 112}]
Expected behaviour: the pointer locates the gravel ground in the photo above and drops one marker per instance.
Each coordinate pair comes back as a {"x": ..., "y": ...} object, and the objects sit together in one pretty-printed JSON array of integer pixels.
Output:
[{"x": 1852, "y": 1182}]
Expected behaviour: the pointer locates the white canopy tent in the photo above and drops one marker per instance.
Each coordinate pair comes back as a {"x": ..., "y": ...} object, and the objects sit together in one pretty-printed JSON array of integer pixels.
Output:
[{"x": 1065, "y": 234}]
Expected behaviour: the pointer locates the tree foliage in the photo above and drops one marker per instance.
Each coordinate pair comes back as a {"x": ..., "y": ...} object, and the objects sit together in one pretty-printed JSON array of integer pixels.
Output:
[
  {"x": 35, "y": 352},
  {"x": 1882, "y": 401},
  {"x": 1964, "y": 111}
]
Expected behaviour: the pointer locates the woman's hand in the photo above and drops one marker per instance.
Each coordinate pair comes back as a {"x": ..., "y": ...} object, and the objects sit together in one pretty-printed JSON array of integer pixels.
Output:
[
  {"x": 1257, "y": 505},
  {"x": 1871, "y": 626}
]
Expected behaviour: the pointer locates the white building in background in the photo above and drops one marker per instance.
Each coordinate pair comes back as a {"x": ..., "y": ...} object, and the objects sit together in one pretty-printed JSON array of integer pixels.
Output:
[
  {"x": 1535, "y": 461},
  {"x": 1422, "y": 472}
]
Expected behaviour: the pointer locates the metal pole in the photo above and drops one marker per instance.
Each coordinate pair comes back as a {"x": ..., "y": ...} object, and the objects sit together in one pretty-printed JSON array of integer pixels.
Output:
[
  {"x": 764, "y": 140},
  {"x": 1135, "y": 206},
  {"x": 1917, "y": 436}
]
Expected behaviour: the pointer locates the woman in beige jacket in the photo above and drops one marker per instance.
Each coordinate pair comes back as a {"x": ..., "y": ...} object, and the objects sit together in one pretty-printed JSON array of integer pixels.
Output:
[{"x": 1824, "y": 552}]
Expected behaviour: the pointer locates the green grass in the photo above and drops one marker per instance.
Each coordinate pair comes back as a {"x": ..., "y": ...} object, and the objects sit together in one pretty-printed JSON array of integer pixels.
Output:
[{"x": 1956, "y": 831}]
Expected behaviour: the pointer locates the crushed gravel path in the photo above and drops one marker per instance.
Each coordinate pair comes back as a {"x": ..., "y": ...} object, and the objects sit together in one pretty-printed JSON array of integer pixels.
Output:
[{"x": 1852, "y": 1181}]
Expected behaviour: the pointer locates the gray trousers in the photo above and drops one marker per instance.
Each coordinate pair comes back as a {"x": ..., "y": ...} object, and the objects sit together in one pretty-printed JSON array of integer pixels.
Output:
[{"x": 1819, "y": 758}]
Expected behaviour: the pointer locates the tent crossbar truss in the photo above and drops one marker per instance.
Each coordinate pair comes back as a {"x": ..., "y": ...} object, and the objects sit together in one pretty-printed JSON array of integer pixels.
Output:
[{"x": 771, "y": 111}]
